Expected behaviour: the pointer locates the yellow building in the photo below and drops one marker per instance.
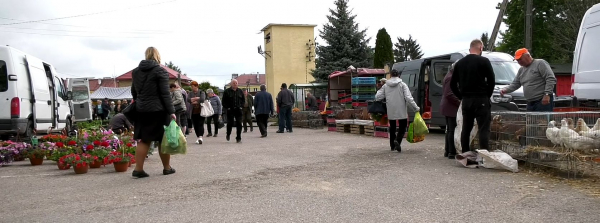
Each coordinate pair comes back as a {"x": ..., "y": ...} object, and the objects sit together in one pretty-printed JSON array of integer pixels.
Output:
[{"x": 289, "y": 52}]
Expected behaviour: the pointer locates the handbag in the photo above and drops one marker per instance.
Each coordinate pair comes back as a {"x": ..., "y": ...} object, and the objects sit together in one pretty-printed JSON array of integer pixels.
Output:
[
  {"x": 130, "y": 111},
  {"x": 206, "y": 110},
  {"x": 377, "y": 107}
]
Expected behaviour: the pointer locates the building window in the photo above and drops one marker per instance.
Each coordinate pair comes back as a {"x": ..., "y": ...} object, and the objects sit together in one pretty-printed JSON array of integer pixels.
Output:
[{"x": 268, "y": 37}]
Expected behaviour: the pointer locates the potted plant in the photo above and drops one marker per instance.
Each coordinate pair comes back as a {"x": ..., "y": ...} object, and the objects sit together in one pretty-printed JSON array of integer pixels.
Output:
[
  {"x": 36, "y": 155},
  {"x": 80, "y": 162},
  {"x": 60, "y": 152},
  {"x": 98, "y": 154},
  {"x": 119, "y": 160},
  {"x": 11, "y": 151}
]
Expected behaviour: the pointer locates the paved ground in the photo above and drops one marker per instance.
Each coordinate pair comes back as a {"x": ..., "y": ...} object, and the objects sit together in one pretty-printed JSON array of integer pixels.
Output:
[{"x": 307, "y": 176}]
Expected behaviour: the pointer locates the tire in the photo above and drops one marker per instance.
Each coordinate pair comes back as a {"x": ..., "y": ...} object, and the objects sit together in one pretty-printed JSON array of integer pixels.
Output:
[{"x": 29, "y": 131}]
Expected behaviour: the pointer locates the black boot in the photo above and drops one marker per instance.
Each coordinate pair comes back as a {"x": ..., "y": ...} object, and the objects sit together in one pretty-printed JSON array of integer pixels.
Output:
[{"x": 139, "y": 174}]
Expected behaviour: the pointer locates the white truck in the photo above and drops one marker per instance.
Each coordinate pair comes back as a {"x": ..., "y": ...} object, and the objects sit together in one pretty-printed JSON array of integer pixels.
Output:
[
  {"x": 35, "y": 94},
  {"x": 586, "y": 66}
]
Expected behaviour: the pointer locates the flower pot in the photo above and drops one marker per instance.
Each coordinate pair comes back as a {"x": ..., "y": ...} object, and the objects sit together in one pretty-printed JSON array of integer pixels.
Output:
[
  {"x": 121, "y": 166},
  {"x": 19, "y": 158},
  {"x": 63, "y": 167},
  {"x": 36, "y": 161},
  {"x": 95, "y": 164},
  {"x": 81, "y": 170}
]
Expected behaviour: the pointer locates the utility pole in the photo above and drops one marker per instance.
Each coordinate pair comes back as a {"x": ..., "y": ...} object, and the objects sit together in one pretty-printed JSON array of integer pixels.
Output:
[
  {"x": 528, "y": 28},
  {"x": 492, "y": 40}
]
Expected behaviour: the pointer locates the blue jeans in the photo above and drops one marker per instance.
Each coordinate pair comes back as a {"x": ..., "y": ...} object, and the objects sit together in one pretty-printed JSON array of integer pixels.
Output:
[
  {"x": 537, "y": 106},
  {"x": 285, "y": 118}
]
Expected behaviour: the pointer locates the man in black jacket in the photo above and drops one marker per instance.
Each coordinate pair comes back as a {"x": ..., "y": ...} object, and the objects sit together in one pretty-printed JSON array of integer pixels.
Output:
[
  {"x": 233, "y": 102},
  {"x": 285, "y": 102},
  {"x": 473, "y": 82}
]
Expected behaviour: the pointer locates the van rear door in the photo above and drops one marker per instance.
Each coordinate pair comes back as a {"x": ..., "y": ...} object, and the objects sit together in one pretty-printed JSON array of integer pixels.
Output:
[
  {"x": 82, "y": 105},
  {"x": 41, "y": 98},
  {"x": 439, "y": 69}
]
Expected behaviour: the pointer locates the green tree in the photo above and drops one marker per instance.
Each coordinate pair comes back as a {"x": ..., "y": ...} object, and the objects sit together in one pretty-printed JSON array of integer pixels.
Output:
[
  {"x": 345, "y": 44},
  {"x": 206, "y": 85},
  {"x": 173, "y": 67},
  {"x": 485, "y": 39},
  {"x": 384, "y": 52},
  {"x": 544, "y": 12},
  {"x": 565, "y": 27},
  {"x": 407, "y": 49}
]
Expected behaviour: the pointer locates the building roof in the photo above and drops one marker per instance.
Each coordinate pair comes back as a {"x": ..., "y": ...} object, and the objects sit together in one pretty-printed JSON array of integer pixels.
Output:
[
  {"x": 172, "y": 75},
  {"x": 251, "y": 79},
  {"x": 105, "y": 82},
  {"x": 359, "y": 72},
  {"x": 292, "y": 25},
  {"x": 562, "y": 69}
]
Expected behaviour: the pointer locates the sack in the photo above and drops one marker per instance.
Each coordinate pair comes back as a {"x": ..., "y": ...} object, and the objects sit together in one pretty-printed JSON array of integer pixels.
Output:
[
  {"x": 417, "y": 129},
  {"x": 377, "y": 107},
  {"x": 173, "y": 141},
  {"x": 206, "y": 110},
  {"x": 221, "y": 123}
]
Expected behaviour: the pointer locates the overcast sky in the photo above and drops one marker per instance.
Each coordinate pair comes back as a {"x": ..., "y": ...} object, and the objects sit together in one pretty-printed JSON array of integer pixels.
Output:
[{"x": 210, "y": 40}]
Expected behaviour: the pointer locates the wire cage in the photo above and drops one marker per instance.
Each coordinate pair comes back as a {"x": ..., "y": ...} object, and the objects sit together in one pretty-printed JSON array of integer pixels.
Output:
[{"x": 568, "y": 141}]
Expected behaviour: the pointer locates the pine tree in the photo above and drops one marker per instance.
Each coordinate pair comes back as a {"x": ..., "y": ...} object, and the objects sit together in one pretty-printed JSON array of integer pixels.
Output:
[
  {"x": 345, "y": 44},
  {"x": 407, "y": 49},
  {"x": 383, "y": 49},
  {"x": 485, "y": 39}
]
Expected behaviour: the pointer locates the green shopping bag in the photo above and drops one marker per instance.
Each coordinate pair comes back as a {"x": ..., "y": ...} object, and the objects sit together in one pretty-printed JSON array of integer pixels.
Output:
[
  {"x": 174, "y": 141},
  {"x": 417, "y": 130}
]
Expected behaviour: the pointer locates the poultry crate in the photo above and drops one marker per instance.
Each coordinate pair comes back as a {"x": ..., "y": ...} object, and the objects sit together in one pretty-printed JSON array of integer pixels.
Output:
[
  {"x": 507, "y": 131},
  {"x": 565, "y": 140}
]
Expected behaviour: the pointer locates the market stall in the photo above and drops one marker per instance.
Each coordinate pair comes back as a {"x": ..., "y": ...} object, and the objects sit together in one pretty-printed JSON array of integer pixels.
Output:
[
  {"x": 354, "y": 87},
  {"x": 319, "y": 90}
]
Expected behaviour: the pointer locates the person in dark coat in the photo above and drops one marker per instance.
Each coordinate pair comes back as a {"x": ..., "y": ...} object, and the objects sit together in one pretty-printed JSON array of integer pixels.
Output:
[
  {"x": 233, "y": 102},
  {"x": 313, "y": 105},
  {"x": 119, "y": 124},
  {"x": 150, "y": 90},
  {"x": 449, "y": 107},
  {"x": 247, "y": 111},
  {"x": 285, "y": 102},
  {"x": 215, "y": 102},
  {"x": 263, "y": 105}
]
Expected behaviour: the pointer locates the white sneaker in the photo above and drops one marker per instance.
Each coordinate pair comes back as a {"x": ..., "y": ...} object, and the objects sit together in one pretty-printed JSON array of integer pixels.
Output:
[{"x": 199, "y": 141}]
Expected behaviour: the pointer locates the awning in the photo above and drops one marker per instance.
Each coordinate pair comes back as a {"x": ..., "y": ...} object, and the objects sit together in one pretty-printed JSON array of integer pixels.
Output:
[
  {"x": 112, "y": 93},
  {"x": 309, "y": 85},
  {"x": 359, "y": 72}
]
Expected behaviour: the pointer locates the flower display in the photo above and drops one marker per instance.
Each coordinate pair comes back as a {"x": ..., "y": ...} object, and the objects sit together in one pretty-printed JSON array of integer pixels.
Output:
[
  {"x": 76, "y": 160},
  {"x": 117, "y": 157}
]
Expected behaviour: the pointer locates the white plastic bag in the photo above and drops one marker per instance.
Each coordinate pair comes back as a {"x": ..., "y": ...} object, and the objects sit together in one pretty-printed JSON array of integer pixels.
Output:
[
  {"x": 498, "y": 160},
  {"x": 206, "y": 110},
  {"x": 458, "y": 130}
]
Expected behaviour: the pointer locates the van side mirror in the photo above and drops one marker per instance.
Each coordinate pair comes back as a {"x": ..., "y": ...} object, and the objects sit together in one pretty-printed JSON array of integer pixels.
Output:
[{"x": 69, "y": 95}]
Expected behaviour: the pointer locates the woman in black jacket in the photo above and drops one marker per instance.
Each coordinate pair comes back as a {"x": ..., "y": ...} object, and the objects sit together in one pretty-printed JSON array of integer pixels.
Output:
[{"x": 150, "y": 91}]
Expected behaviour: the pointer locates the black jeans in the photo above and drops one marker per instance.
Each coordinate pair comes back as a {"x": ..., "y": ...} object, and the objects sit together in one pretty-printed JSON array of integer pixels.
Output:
[
  {"x": 198, "y": 122},
  {"x": 285, "y": 118},
  {"x": 215, "y": 119},
  {"x": 234, "y": 117},
  {"x": 476, "y": 108},
  {"x": 397, "y": 132},
  {"x": 261, "y": 121},
  {"x": 450, "y": 127},
  {"x": 247, "y": 119}
]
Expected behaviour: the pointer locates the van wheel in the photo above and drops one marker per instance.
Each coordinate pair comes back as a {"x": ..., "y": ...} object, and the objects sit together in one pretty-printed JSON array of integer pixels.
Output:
[{"x": 29, "y": 131}]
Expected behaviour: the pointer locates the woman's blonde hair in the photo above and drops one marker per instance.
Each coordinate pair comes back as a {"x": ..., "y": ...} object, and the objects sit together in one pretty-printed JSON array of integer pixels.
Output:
[{"x": 152, "y": 54}]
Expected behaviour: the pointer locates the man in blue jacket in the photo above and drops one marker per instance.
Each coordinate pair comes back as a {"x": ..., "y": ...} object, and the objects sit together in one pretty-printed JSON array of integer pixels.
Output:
[{"x": 263, "y": 105}]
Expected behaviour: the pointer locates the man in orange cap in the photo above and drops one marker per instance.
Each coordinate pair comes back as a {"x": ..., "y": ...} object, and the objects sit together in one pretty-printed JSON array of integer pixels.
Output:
[{"x": 537, "y": 79}]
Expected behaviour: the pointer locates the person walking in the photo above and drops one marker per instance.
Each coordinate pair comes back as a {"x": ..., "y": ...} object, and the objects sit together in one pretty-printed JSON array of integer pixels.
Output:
[
  {"x": 178, "y": 104},
  {"x": 247, "y": 111},
  {"x": 285, "y": 102},
  {"x": 537, "y": 79},
  {"x": 397, "y": 97},
  {"x": 185, "y": 114},
  {"x": 313, "y": 105},
  {"x": 150, "y": 90},
  {"x": 233, "y": 102},
  {"x": 215, "y": 102},
  {"x": 473, "y": 82},
  {"x": 448, "y": 108},
  {"x": 197, "y": 98},
  {"x": 102, "y": 110},
  {"x": 263, "y": 103}
]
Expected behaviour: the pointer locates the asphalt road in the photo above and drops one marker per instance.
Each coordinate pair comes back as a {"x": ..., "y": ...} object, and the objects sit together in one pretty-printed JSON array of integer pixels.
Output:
[{"x": 306, "y": 176}]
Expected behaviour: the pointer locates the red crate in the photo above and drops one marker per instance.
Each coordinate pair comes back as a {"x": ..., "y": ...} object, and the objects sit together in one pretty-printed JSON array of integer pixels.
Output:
[
  {"x": 359, "y": 104},
  {"x": 332, "y": 129},
  {"x": 331, "y": 120},
  {"x": 381, "y": 134}
]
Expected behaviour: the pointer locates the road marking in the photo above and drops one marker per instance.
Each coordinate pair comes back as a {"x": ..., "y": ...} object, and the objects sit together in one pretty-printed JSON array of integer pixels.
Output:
[{"x": 29, "y": 175}]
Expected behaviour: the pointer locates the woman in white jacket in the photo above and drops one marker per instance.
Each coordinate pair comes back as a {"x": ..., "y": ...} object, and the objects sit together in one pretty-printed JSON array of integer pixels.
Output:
[{"x": 397, "y": 97}]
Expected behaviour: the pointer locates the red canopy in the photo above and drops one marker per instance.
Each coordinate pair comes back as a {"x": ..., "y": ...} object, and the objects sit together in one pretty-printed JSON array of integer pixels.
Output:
[
  {"x": 172, "y": 75},
  {"x": 359, "y": 72}
]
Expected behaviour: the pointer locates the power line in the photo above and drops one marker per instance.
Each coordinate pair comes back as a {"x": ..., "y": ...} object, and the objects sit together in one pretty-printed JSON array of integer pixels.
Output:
[
  {"x": 82, "y": 15},
  {"x": 79, "y": 31},
  {"x": 57, "y": 24},
  {"x": 51, "y": 34}
]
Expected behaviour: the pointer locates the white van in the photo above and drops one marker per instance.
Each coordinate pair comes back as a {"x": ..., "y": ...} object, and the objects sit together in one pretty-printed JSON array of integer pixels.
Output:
[
  {"x": 586, "y": 66},
  {"x": 35, "y": 94}
]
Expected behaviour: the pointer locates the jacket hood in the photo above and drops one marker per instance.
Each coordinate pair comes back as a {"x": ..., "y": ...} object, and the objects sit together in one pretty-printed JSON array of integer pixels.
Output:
[
  {"x": 393, "y": 82},
  {"x": 146, "y": 65}
]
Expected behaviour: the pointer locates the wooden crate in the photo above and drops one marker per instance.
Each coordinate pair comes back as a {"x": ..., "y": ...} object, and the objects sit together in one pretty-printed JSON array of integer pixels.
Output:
[
  {"x": 344, "y": 128},
  {"x": 369, "y": 130},
  {"x": 357, "y": 129}
]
